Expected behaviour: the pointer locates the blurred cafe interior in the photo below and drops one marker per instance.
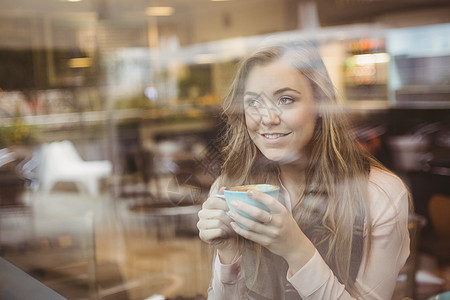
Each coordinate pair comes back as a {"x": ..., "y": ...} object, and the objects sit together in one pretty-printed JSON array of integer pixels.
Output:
[{"x": 110, "y": 114}]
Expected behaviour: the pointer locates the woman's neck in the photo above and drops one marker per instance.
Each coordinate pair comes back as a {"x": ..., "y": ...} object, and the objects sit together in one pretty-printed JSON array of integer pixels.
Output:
[
  {"x": 294, "y": 169},
  {"x": 292, "y": 176}
]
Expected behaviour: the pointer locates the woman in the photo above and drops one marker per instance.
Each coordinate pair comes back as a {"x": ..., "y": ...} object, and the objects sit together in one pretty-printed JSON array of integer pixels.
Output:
[{"x": 339, "y": 229}]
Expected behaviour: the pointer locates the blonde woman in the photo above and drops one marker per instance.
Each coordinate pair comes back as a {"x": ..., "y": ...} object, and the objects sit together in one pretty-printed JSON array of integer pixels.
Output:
[{"x": 339, "y": 229}]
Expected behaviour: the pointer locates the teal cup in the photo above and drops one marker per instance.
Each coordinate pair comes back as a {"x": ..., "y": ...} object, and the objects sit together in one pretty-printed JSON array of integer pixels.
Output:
[
  {"x": 442, "y": 296},
  {"x": 240, "y": 193}
]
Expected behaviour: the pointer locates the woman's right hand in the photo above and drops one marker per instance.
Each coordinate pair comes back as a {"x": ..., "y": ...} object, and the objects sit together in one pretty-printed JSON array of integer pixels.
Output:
[{"x": 215, "y": 229}]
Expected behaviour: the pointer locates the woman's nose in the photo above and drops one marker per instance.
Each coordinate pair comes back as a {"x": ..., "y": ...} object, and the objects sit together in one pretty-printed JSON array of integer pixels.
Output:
[{"x": 271, "y": 116}]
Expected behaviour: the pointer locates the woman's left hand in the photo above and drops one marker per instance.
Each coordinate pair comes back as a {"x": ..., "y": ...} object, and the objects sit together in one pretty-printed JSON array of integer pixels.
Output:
[{"x": 277, "y": 230}]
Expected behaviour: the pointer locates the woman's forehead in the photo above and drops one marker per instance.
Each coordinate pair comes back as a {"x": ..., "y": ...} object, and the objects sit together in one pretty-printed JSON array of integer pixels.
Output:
[{"x": 275, "y": 74}]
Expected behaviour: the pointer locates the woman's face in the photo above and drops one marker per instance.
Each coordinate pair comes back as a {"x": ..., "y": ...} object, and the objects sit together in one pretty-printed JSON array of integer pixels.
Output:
[{"x": 280, "y": 111}]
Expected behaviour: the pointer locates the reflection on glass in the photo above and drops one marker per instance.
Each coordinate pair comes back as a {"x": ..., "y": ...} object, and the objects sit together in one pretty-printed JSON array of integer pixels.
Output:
[{"x": 136, "y": 88}]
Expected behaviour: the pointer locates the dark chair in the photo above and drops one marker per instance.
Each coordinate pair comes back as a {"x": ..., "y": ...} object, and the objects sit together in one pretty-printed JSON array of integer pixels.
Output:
[
  {"x": 407, "y": 287},
  {"x": 439, "y": 212}
]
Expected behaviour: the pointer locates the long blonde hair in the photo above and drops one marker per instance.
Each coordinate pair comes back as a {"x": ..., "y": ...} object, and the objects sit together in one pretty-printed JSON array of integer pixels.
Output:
[{"x": 334, "y": 204}]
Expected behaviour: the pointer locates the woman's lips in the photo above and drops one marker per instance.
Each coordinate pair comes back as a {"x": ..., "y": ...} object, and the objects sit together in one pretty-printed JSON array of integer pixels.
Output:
[{"x": 273, "y": 137}]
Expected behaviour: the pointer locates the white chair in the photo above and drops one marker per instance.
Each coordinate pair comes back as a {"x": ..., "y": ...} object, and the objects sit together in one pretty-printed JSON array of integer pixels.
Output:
[{"x": 60, "y": 162}]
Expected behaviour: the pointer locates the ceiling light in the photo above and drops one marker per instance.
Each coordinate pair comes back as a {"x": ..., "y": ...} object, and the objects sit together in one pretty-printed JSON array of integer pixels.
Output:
[
  {"x": 204, "y": 58},
  {"x": 159, "y": 11},
  {"x": 382, "y": 58},
  {"x": 370, "y": 59},
  {"x": 82, "y": 62}
]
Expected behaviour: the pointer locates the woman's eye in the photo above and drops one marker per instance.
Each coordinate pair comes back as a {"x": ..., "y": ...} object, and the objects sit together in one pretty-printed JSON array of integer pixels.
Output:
[
  {"x": 286, "y": 100},
  {"x": 253, "y": 102}
]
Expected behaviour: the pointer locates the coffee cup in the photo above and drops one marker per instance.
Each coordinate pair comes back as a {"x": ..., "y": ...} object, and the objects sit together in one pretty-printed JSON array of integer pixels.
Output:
[{"x": 240, "y": 193}]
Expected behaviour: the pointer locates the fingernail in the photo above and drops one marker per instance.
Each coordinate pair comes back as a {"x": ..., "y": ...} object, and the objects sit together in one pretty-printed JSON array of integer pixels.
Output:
[
  {"x": 250, "y": 193},
  {"x": 232, "y": 214},
  {"x": 234, "y": 203}
]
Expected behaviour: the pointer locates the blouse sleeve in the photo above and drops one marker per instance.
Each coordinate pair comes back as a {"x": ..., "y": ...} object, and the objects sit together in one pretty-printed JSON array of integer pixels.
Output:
[
  {"x": 377, "y": 276},
  {"x": 228, "y": 281}
]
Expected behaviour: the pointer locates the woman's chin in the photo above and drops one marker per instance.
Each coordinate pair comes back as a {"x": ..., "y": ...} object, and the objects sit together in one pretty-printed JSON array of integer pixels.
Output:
[{"x": 286, "y": 158}]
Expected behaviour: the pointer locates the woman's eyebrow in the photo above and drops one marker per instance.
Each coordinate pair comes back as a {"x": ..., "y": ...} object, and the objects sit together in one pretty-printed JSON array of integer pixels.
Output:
[
  {"x": 277, "y": 92},
  {"x": 249, "y": 93},
  {"x": 286, "y": 89}
]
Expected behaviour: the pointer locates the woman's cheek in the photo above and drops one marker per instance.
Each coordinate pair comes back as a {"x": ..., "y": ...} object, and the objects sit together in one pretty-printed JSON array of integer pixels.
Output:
[{"x": 251, "y": 122}]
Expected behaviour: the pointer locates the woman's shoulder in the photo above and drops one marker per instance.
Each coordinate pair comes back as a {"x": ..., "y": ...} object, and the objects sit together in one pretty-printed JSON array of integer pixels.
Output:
[
  {"x": 387, "y": 183},
  {"x": 388, "y": 197}
]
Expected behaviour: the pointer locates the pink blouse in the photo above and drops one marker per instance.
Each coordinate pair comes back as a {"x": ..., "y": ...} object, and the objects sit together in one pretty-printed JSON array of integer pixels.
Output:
[{"x": 378, "y": 272}]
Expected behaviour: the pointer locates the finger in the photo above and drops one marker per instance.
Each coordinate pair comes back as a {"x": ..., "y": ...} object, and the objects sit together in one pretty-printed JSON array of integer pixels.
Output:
[
  {"x": 215, "y": 203},
  {"x": 213, "y": 234},
  {"x": 249, "y": 224},
  {"x": 206, "y": 224},
  {"x": 213, "y": 214},
  {"x": 251, "y": 235},
  {"x": 219, "y": 230},
  {"x": 270, "y": 202},
  {"x": 253, "y": 211}
]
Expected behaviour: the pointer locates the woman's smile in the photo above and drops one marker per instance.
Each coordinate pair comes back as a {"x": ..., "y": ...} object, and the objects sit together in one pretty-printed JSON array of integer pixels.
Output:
[{"x": 274, "y": 137}]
